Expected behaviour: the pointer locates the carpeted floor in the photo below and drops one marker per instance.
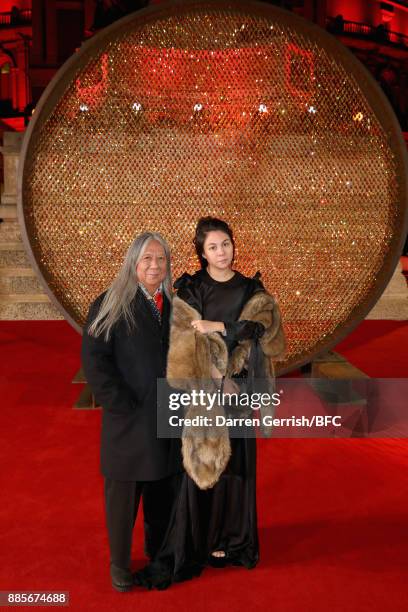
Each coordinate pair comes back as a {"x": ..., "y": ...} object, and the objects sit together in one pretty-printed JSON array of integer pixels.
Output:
[{"x": 332, "y": 513}]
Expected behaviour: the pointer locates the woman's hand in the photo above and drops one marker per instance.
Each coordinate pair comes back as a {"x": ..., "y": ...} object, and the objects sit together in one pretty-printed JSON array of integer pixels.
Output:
[{"x": 206, "y": 327}]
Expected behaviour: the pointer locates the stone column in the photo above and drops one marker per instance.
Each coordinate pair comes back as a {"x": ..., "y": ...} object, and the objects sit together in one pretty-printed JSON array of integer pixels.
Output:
[
  {"x": 23, "y": 86},
  {"x": 37, "y": 51},
  {"x": 10, "y": 151},
  {"x": 51, "y": 33},
  {"x": 14, "y": 87},
  {"x": 89, "y": 11}
]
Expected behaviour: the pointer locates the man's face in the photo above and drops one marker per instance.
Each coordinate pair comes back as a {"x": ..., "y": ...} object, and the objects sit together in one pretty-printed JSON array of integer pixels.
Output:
[{"x": 151, "y": 269}]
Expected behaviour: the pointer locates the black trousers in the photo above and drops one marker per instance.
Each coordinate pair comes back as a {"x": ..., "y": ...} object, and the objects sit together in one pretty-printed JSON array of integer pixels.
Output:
[{"x": 121, "y": 505}]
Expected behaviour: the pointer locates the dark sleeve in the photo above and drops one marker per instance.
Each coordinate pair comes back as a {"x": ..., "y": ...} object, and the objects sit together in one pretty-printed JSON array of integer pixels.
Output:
[
  {"x": 188, "y": 290},
  {"x": 243, "y": 330},
  {"x": 247, "y": 330},
  {"x": 101, "y": 372}
]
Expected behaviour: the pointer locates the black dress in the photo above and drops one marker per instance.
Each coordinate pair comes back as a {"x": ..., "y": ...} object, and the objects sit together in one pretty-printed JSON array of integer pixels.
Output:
[{"x": 223, "y": 517}]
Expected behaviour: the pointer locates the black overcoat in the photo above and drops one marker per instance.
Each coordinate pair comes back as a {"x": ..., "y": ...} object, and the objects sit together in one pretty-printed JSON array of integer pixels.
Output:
[{"x": 123, "y": 374}]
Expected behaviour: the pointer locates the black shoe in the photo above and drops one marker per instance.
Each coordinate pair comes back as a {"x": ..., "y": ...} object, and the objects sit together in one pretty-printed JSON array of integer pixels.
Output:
[
  {"x": 122, "y": 579},
  {"x": 151, "y": 579},
  {"x": 140, "y": 578}
]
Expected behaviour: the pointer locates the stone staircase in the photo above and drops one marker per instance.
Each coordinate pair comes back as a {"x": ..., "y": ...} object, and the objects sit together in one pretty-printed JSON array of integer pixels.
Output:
[{"x": 21, "y": 293}]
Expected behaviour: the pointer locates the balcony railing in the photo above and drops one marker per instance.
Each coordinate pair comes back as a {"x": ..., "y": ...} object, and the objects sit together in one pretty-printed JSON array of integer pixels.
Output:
[
  {"x": 16, "y": 17},
  {"x": 379, "y": 34}
]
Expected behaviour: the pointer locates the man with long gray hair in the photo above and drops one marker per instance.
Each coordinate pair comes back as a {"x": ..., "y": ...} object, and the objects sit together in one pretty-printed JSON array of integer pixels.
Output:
[{"x": 124, "y": 352}]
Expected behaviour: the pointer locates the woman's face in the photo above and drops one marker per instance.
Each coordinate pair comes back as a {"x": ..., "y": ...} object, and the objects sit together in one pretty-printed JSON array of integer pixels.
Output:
[{"x": 218, "y": 250}]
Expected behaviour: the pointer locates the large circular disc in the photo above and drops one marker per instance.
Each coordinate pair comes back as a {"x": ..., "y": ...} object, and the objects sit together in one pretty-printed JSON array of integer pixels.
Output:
[{"x": 234, "y": 109}]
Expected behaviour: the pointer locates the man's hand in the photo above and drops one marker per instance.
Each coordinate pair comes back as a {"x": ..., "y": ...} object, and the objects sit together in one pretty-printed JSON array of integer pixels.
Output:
[{"x": 206, "y": 327}]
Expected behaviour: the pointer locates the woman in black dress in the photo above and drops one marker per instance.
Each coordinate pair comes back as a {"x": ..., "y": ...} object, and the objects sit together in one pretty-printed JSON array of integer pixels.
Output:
[{"x": 216, "y": 524}]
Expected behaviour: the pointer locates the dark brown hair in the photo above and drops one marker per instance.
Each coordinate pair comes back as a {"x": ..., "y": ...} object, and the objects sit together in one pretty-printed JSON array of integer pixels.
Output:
[{"x": 204, "y": 226}]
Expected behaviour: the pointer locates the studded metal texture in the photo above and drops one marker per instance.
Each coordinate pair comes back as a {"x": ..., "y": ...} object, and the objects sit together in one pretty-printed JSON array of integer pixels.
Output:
[{"x": 238, "y": 110}]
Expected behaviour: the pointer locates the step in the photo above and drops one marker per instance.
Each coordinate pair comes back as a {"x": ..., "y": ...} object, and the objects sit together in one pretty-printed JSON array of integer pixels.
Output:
[
  {"x": 394, "y": 309},
  {"x": 18, "y": 284},
  {"x": 10, "y": 231},
  {"x": 13, "y": 258},
  {"x": 34, "y": 312},
  {"x": 11, "y": 272},
  {"x": 7, "y": 211},
  {"x": 24, "y": 298},
  {"x": 12, "y": 246}
]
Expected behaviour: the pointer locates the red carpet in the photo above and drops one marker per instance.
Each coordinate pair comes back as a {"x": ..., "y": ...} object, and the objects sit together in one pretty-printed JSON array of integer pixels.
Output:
[{"x": 332, "y": 513}]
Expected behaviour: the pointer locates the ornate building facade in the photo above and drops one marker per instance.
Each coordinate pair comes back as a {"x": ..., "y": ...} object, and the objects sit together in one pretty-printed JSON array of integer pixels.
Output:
[{"x": 37, "y": 37}]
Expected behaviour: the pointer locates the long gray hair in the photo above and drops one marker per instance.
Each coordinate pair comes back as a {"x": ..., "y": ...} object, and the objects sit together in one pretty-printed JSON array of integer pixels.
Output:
[{"x": 116, "y": 303}]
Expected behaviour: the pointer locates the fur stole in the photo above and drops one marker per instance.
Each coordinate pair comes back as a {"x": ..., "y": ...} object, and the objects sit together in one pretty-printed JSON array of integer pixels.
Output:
[{"x": 206, "y": 450}]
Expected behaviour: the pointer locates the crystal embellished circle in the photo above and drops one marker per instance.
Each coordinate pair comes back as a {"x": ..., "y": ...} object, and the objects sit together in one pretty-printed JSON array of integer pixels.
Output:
[{"x": 238, "y": 110}]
